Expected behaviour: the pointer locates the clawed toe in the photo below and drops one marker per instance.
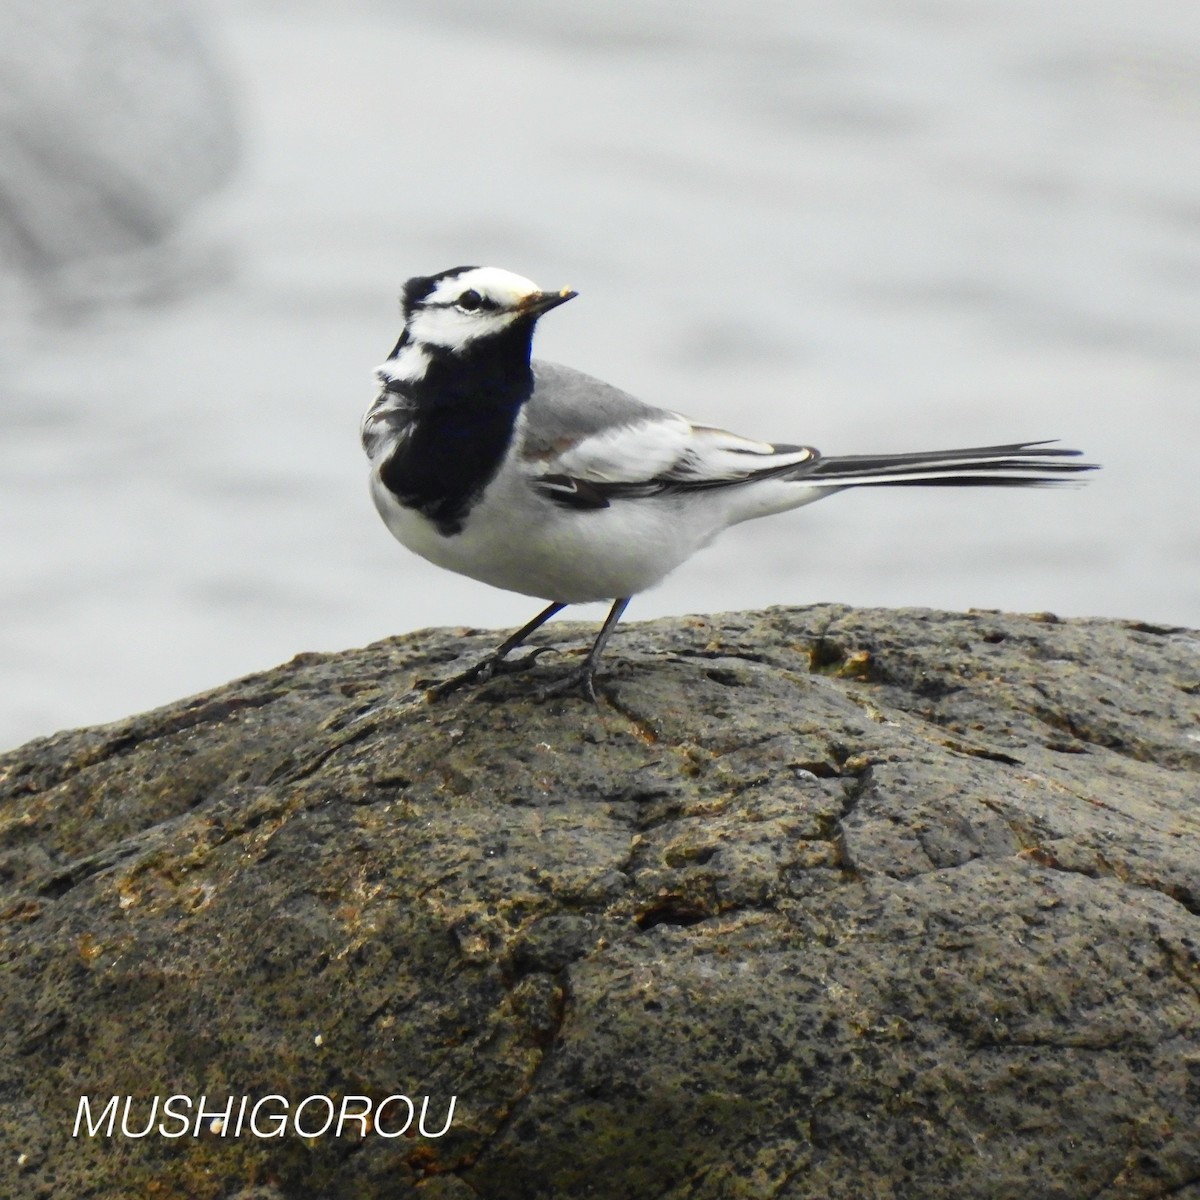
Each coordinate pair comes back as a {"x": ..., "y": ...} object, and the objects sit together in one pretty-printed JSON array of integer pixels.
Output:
[
  {"x": 439, "y": 691},
  {"x": 482, "y": 671},
  {"x": 583, "y": 679},
  {"x": 509, "y": 666}
]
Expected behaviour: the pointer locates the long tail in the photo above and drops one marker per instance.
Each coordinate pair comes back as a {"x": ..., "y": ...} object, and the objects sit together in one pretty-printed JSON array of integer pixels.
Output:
[{"x": 1022, "y": 464}]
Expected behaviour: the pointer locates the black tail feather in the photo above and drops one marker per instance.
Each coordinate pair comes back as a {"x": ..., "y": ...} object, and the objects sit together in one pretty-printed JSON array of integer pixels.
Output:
[{"x": 1020, "y": 464}]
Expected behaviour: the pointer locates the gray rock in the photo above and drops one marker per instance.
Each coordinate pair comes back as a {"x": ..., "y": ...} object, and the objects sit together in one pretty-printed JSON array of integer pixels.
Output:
[{"x": 815, "y": 903}]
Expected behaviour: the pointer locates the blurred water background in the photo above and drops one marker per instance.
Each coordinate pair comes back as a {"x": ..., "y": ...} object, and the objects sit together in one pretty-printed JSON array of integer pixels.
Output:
[{"x": 876, "y": 225}]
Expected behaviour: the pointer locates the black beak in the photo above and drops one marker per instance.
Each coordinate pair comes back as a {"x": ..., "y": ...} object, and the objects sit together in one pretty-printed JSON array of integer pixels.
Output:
[{"x": 541, "y": 302}]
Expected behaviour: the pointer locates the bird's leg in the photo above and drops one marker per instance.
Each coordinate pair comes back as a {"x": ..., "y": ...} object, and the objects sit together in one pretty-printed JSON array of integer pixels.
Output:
[
  {"x": 487, "y": 667},
  {"x": 584, "y": 675}
]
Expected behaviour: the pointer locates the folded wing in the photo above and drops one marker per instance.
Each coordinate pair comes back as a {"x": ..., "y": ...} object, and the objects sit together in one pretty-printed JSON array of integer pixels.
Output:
[{"x": 662, "y": 453}]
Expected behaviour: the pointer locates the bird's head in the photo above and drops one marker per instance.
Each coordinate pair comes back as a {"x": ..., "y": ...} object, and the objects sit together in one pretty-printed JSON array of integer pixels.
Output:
[{"x": 463, "y": 305}]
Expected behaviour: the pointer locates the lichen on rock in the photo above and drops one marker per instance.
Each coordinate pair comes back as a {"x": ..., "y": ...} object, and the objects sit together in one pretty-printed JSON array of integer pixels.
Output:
[{"x": 815, "y": 902}]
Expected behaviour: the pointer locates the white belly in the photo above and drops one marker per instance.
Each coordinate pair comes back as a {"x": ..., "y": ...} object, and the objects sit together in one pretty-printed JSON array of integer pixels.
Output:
[{"x": 528, "y": 544}]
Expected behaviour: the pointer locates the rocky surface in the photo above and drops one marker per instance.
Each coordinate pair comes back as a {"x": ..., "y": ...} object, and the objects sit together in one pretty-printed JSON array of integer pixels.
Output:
[{"x": 815, "y": 903}]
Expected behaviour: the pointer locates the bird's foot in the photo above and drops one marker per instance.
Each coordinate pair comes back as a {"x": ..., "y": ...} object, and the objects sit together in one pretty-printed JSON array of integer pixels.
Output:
[
  {"x": 582, "y": 678},
  {"x": 482, "y": 671}
]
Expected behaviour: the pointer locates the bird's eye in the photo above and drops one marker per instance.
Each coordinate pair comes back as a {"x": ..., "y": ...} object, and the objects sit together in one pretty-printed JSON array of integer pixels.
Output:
[{"x": 470, "y": 300}]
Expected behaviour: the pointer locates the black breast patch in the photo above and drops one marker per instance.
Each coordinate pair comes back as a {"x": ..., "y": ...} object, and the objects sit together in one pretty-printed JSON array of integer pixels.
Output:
[{"x": 460, "y": 420}]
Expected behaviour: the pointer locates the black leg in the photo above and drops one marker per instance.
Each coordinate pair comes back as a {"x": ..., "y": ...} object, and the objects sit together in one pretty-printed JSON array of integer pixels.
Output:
[
  {"x": 584, "y": 675},
  {"x": 487, "y": 667}
]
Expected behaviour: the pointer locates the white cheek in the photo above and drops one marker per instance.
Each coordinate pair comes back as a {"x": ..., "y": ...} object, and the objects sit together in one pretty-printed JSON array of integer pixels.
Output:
[{"x": 452, "y": 329}]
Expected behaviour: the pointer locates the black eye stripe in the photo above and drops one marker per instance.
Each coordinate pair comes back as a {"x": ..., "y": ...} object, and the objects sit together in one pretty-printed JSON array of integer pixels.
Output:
[
  {"x": 484, "y": 303},
  {"x": 472, "y": 301}
]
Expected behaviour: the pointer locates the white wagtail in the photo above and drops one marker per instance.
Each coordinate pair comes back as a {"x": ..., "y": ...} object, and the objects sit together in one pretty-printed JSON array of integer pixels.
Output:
[{"x": 542, "y": 480}]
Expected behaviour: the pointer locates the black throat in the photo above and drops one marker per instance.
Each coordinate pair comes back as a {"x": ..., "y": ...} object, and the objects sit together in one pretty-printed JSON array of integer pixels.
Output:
[{"x": 458, "y": 424}]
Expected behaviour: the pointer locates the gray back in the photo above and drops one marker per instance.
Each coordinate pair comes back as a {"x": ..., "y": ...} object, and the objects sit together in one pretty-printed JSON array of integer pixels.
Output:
[{"x": 568, "y": 405}]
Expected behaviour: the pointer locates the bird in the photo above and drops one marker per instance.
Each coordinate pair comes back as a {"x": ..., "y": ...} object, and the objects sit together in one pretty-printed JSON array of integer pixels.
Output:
[{"x": 538, "y": 479}]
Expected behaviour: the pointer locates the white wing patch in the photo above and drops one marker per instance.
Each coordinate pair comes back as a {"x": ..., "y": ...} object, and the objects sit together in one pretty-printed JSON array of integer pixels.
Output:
[
  {"x": 653, "y": 454},
  {"x": 626, "y": 453},
  {"x": 716, "y": 455}
]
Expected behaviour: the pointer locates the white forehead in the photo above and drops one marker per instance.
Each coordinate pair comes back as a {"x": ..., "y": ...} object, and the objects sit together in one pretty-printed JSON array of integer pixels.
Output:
[{"x": 503, "y": 287}]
